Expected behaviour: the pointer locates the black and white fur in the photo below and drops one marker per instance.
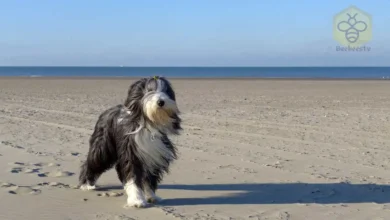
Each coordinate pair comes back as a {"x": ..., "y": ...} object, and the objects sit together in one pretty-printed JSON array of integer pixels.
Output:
[{"x": 133, "y": 137}]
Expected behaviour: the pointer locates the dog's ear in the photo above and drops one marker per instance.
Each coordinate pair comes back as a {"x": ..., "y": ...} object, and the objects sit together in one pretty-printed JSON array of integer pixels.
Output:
[
  {"x": 135, "y": 92},
  {"x": 176, "y": 122},
  {"x": 169, "y": 89}
]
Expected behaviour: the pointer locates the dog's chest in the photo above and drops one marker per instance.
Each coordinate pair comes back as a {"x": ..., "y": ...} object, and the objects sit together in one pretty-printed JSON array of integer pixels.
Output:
[
  {"x": 152, "y": 150},
  {"x": 147, "y": 139}
]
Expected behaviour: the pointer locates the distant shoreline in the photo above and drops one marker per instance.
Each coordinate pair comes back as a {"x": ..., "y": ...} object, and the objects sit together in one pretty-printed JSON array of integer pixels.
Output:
[
  {"x": 192, "y": 73},
  {"x": 194, "y": 66},
  {"x": 190, "y": 78}
]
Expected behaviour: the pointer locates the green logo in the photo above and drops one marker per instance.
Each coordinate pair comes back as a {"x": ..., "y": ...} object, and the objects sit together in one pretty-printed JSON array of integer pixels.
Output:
[{"x": 352, "y": 27}]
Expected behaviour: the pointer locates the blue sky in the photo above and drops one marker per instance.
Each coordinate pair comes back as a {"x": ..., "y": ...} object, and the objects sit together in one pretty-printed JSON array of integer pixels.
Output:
[{"x": 184, "y": 33}]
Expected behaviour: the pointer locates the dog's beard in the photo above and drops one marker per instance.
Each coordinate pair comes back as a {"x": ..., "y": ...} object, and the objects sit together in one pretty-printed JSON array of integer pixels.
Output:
[
  {"x": 162, "y": 116},
  {"x": 159, "y": 116}
]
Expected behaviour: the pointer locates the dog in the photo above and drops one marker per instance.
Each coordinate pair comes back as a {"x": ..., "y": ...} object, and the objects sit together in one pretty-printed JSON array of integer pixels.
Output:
[{"x": 133, "y": 137}]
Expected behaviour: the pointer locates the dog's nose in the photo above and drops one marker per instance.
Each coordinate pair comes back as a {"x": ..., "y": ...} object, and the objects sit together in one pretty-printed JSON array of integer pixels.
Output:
[{"x": 160, "y": 103}]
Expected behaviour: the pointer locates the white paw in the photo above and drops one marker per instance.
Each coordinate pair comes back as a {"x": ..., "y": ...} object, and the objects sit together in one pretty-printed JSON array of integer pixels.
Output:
[
  {"x": 136, "y": 203},
  {"x": 86, "y": 187},
  {"x": 153, "y": 199}
]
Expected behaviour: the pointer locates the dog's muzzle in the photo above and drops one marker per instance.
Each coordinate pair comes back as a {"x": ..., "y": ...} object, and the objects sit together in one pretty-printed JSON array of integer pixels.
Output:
[{"x": 159, "y": 108}]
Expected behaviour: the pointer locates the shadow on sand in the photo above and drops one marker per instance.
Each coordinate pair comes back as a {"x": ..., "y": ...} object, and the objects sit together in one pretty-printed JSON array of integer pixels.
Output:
[
  {"x": 284, "y": 193},
  {"x": 280, "y": 193}
]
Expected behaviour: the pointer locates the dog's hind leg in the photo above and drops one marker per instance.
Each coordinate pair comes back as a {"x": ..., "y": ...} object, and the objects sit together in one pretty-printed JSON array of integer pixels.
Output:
[
  {"x": 100, "y": 158},
  {"x": 120, "y": 173},
  {"x": 87, "y": 178}
]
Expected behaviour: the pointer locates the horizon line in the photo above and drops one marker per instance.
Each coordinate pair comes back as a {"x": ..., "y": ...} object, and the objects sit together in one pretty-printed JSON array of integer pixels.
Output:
[{"x": 123, "y": 66}]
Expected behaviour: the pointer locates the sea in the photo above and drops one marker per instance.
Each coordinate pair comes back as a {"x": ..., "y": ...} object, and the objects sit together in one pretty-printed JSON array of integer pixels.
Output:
[{"x": 202, "y": 72}]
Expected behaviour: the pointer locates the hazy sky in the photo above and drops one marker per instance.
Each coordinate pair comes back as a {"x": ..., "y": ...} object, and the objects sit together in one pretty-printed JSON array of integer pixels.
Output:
[{"x": 184, "y": 33}]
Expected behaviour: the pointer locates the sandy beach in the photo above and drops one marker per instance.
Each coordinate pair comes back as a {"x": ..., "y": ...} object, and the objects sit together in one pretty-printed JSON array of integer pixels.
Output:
[{"x": 250, "y": 149}]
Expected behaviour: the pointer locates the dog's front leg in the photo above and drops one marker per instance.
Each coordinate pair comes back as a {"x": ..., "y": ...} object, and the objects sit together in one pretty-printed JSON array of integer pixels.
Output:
[
  {"x": 151, "y": 194},
  {"x": 150, "y": 187},
  {"x": 135, "y": 194}
]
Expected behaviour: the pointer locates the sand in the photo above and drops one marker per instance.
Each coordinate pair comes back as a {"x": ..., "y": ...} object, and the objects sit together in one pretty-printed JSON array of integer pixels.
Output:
[{"x": 250, "y": 149}]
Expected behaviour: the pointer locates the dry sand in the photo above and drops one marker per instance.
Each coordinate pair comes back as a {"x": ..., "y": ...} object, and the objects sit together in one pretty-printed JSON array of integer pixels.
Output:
[{"x": 251, "y": 149}]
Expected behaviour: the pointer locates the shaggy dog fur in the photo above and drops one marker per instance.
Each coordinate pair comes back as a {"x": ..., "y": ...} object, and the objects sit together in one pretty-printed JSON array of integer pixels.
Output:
[{"x": 133, "y": 137}]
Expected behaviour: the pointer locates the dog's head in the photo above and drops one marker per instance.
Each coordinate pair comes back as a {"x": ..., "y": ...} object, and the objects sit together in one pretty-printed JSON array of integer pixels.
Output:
[{"x": 154, "y": 100}]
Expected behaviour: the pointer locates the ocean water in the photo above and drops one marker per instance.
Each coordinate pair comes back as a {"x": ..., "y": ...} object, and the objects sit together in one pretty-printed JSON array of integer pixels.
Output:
[{"x": 203, "y": 72}]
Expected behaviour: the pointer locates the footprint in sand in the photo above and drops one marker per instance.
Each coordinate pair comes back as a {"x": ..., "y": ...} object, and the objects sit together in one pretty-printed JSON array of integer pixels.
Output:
[
  {"x": 6, "y": 185},
  {"x": 20, "y": 190},
  {"x": 74, "y": 154},
  {"x": 46, "y": 164},
  {"x": 57, "y": 185},
  {"x": 123, "y": 217},
  {"x": 24, "y": 190},
  {"x": 37, "y": 168},
  {"x": 16, "y": 169},
  {"x": 109, "y": 194},
  {"x": 17, "y": 163},
  {"x": 22, "y": 168},
  {"x": 34, "y": 189},
  {"x": 7, "y": 143},
  {"x": 35, "y": 164},
  {"x": 56, "y": 173}
]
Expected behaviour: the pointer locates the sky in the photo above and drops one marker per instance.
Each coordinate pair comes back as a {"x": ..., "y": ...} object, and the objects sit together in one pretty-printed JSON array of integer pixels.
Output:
[{"x": 184, "y": 33}]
